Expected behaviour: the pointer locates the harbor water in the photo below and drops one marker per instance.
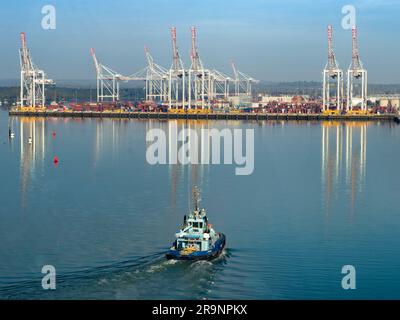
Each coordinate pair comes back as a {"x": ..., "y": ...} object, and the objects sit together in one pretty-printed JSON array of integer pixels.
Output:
[{"x": 322, "y": 195}]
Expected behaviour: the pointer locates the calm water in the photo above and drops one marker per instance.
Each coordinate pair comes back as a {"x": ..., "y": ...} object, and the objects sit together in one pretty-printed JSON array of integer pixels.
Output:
[{"x": 322, "y": 195}]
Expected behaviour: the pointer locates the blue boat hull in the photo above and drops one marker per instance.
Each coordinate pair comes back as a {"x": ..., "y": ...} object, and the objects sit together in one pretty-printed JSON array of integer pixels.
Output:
[{"x": 200, "y": 255}]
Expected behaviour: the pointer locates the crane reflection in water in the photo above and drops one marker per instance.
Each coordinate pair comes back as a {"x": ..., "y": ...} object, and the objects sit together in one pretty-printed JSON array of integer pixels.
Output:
[
  {"x": 343, "y": 152},
  {"x": 32, "y": 140},
  {"x": 344, "y": 155}
]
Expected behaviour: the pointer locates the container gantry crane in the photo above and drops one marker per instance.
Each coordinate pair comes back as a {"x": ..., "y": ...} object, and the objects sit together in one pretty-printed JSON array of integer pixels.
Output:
[
  {"x": 199, "y": 78},
  {"x": 108, "y": 81},
  {"x": 33, "y": 80},
  {"x": 243, "y": 82},
  {"x": 156, "y": 80},
  {"x": 332, "y": 76},
  {"x": 220, "y": 85},
  {"x": 177, "y": 76},
  {"x": 356, "y": 72}
]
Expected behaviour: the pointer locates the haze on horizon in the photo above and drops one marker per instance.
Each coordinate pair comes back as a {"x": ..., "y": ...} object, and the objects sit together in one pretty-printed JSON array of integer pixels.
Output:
[{"x": 273, "y": 40}]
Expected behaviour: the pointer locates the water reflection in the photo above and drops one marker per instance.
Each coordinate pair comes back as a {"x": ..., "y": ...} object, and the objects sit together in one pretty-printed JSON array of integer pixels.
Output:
[
  {"x": 177, "y": 171},
  {"x": 32, "y": 136},
  {"x": 107, "y": 138},
  {"x": 344, "y": 155},
  {"x": 123, "y": 211},
  {"x": 344, "y": 147}
]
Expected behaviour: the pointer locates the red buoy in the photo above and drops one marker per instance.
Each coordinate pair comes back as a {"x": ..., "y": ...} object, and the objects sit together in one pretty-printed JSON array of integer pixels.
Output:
[
  {"x": 55, "y": 160},
  {"x": 54, "y": 134}
]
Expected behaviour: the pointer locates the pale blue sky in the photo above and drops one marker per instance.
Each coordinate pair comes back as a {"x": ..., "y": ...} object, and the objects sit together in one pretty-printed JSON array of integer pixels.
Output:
[{"x": 275, "y": 40}]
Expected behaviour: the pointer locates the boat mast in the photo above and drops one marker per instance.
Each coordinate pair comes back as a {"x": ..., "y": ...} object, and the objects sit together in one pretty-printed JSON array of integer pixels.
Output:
[{"x": 196, "y": 198}]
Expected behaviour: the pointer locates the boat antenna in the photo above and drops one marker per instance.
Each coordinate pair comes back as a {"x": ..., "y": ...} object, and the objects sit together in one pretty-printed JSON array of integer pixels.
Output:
[{"x": 196, "y": 198}]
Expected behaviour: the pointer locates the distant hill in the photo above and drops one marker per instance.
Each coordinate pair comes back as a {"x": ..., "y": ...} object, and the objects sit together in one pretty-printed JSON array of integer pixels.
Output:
[
  {"x": 311, "y": 88},
  {"x": 71, "y": 94},
  {"x": 73, "y": 83},
  {"x": 9, "y": 82},
  {"x": 314, "y": 88}
]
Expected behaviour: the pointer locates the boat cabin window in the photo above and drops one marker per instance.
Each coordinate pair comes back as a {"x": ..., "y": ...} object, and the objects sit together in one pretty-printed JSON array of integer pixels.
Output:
[
  {"x": 197, "y": 225},
  {"x": 181, "y": 245}
]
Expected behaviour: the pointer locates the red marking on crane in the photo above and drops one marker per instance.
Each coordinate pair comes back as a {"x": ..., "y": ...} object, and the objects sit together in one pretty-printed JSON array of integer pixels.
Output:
[
  {"x": 23, "y": 38},
  {"x": 330, "y": 32},
  {"x": 354, "y": 32}
]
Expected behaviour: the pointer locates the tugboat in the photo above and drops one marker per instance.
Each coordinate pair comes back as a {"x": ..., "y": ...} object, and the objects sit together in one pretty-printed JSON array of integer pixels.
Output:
[{"x": 197, "y": 240}]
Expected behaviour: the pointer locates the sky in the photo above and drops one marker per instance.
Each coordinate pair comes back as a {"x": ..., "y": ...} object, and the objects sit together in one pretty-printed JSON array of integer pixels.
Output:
[{"x": 271, "y": 40}]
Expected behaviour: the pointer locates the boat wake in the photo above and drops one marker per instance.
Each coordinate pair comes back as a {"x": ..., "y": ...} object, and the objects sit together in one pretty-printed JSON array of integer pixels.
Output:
[{"x": 147, "y": 277}]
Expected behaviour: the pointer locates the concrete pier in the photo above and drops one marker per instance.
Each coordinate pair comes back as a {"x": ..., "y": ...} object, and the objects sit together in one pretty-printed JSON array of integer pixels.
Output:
[{"x": 208, "y": 116}]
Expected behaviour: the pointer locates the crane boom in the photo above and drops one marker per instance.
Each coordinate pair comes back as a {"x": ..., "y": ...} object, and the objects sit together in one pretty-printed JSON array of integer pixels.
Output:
[
  {"x": 96, "y": 63},
  {"x": 194, "y": 55},
  {"x": 356, "y": 61},
  {"x": 176, "y": 60},
  {"x": 25, "y": 59},
  {"x": 332, "y": 64}
]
